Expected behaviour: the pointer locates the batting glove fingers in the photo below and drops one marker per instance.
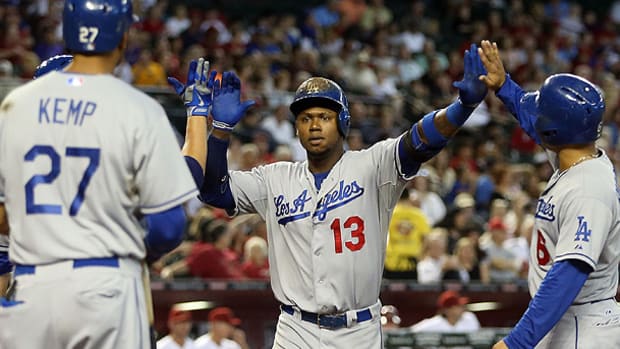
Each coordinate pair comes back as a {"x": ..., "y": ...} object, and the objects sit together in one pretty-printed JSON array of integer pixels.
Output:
[
  {"x": 471, "y": 90},
  {"x": 227, "y": 106}
]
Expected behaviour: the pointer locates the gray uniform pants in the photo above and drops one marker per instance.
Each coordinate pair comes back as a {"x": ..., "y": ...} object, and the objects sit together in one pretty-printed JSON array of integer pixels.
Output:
[
  {"x": 62, "y": 307},
  {"x": 586, "y": 326}
]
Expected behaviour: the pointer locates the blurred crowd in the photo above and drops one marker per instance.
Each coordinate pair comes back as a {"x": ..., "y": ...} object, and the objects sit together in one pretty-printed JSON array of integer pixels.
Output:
[{"x": 468, "y": 216}]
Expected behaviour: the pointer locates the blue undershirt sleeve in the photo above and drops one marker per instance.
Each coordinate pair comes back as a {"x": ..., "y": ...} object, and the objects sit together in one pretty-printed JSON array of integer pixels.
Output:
[
  {"x": 555, "y": 295},
  {"x": 196, "y": 170},
  {"x": 510, "y": 94},
  {"x": 165, "y": 232},
  {"x": 5, "y": 265},
  {"x": 409, "y": 166},
  {"x": 215, "y": 189}
]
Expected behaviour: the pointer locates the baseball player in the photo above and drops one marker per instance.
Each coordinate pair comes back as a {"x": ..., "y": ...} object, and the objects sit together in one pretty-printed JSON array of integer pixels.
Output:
[
  {"x": 327, "y": 217},
  {"x": 574, "y": 250},
  {"x": 179, "y": 325},
  {"x": 83, "y": 156},
  {"x": 54, "y": 63}
]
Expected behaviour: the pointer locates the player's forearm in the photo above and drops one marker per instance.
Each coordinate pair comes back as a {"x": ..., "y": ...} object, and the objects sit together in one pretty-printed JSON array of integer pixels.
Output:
[
  {"x": 4, "y": 284},
  {"x": 215, "y": 189},
  {"x": 4, "y": 222},
  {"x": 447, "y": 121},
  {"x": 196, "y": 139}
]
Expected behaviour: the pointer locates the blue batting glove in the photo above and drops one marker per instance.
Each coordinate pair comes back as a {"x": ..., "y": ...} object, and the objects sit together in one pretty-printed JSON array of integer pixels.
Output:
[
  {"x": 227, "y": 106},
  {"x": 197, "y": 95},
  {"x": 471, "y": 90}
]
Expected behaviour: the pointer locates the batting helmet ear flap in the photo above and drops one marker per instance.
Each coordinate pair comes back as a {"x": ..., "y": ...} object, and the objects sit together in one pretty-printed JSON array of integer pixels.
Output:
[{"x": 344, "y": 117}]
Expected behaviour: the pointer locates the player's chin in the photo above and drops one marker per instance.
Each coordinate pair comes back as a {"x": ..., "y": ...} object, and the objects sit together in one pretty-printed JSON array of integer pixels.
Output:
[{"x": 316, "y": 151}]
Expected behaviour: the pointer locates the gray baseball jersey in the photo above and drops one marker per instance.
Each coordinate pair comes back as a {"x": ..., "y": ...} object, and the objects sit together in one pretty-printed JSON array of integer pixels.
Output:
[
  {"x": 327, "y": 247},
  {"x": 79, "y": 156},
  {"x": 578, "y": 217}
]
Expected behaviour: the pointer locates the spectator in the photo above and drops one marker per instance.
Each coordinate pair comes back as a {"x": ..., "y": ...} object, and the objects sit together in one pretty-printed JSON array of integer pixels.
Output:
[
  {"x": 154, "y": 23},
  {"x": 376, "y": 15},
  {"x": 461, "y": 214},
  {"x": 465, "y": 267},
  {"x": 148, "y": 72},
  {"x": 434, "y": 257},
  {"x": 326, "y": 15},
  {"x": 179, "y": 22},
  {"x": 209, "y": 258},
  {"x": 279, "y": 125},
  {"x": 256, "y": 265},
  {"x": 355, "y": 140},
  {"x": 451, "y": 316},
  {"x": 179, "y": 325},
  {"x": 502, "y": 263},
  {"x": 222, "y": 327},
  {"x": 429, "y": 202},
  {"x": 407, "y": 229}
]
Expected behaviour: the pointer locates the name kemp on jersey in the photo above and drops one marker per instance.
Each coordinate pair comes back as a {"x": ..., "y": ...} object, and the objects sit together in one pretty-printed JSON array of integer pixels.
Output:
[{"x": 65, "y": 110}]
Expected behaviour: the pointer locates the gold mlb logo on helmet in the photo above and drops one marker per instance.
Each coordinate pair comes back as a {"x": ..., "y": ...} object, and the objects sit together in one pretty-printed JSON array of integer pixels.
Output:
[{"x": 314, "y": 85}]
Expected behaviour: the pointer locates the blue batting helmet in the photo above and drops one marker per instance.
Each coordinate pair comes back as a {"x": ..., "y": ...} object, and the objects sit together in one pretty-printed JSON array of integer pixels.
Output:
[
  {"x": 569, "y": 110},
  {"x": 321, "y": 92},
  {"x": 58, "y": 62},
  {"x": 95, "y": 26}
]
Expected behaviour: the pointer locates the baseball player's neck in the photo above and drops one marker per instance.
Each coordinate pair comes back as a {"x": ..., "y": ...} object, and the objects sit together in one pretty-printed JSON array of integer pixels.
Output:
[
  {"x": 320, "y": 163},
  {"x": 572, "y": 155},
  {"x": 94, "y": 64}
]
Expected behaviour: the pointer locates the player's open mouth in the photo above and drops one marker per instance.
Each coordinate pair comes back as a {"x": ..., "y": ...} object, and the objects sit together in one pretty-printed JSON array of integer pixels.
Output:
[{"x": 315, "y": 140}]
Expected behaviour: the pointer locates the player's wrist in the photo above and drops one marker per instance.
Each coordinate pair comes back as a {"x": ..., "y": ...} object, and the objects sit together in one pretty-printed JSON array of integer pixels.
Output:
[
  {"x": 197, "y": 111},
  {"x": 505, "y": 77},
  {"x": 221, "y": 135}
]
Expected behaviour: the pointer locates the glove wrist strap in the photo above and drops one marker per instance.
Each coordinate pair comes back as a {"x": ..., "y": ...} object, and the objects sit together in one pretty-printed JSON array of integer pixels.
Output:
[{"x": 220, "y": 125}]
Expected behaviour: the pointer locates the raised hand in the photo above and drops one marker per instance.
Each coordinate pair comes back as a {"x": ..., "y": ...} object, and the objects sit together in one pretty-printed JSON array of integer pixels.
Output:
[
  {"x": 227, "y": 106},
  {"x": 471, "y": 90},
  {"x": 496, "y": 74},
  {"x": 500, "y": 345},
  {"x": 197, "y": 94}
]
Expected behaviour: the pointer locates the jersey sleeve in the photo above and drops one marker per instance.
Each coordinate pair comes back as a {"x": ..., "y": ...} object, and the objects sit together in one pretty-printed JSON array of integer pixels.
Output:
[
  {"x": 391, "y": 180},
  {"x": 249, "y": 191},
  {"x": 162, "y": 177},
  {"x": 584, "y": 226}
]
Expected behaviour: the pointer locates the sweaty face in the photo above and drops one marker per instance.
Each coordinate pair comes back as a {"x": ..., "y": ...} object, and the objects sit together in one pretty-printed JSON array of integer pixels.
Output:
[{"x": 318, "y": 131}]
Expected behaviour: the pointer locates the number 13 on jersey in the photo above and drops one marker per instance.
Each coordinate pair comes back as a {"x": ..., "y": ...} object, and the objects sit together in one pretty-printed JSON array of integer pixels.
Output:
[
  {"x": 355, "y": 225},
  {"x": 32, "y": 207}
]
